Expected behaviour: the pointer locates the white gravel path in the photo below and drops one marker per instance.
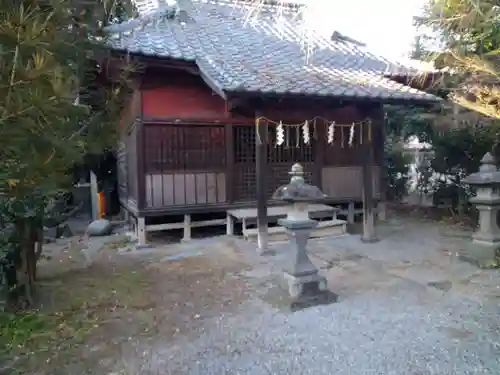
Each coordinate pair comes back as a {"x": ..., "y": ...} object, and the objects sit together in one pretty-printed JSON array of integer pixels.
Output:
[{"x": 379, "y": 334}]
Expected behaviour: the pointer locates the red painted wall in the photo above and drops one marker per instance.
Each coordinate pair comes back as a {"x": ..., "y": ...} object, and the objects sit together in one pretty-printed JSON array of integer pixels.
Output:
[{"x": 175, "y": 100}]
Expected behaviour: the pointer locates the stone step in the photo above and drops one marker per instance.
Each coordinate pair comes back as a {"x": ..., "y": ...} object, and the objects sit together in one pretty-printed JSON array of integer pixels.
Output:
[{"x": 328, "y": 228}]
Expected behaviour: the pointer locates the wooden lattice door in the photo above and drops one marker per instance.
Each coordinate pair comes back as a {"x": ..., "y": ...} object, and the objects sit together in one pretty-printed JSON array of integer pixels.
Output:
[{"x": 280, "y": 159}]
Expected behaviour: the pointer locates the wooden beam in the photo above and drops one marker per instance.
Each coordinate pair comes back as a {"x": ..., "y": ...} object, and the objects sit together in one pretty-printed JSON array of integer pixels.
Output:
[
  {"x": 193, "y": 121},
  {"x": 261, "y": 171},
  {"x": 142, "y": 61},
  {"x": 235, "y": 103},
  {"x": 213, "y": 85}
]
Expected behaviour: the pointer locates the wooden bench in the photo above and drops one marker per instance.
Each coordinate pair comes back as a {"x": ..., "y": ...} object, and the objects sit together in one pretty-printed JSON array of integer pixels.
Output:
[{"x": 249, "y": 216}]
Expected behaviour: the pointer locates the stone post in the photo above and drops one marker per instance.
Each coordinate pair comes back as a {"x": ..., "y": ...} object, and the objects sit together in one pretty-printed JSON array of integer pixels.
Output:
[
  {"x": 93, "y": 195},
  {"x": 486, "y": 240}
]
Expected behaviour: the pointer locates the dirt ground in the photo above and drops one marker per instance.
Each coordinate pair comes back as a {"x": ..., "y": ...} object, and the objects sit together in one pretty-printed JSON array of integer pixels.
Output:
[{"x": 95, "y": 312}]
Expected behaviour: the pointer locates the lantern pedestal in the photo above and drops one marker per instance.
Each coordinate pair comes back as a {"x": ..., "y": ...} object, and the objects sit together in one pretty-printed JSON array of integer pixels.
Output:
[
  {"x": 302, "y": 275},
  {"x": 488, "y": 232},
  {"x": 483, "y": 251},
  {"x": 306, "y": 287}
]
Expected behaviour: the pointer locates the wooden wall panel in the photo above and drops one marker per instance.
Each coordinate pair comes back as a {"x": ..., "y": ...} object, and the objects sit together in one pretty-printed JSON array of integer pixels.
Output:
[
  {"x": 346, "y": 182},
  {"x": 178, "y": 189}
]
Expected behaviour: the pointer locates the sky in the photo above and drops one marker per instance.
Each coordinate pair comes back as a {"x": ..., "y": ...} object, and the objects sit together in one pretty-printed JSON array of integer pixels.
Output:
[{"x": 384, "y": 25}]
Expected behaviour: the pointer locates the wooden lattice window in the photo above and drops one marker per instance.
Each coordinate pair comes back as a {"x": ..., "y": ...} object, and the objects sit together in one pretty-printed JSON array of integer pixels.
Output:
[
  {"x": 293, "y": 150},
  {"x": 340, "y": 152},
  {"x": 244, "y": 144},
  {"x": 185, "y": 147}
]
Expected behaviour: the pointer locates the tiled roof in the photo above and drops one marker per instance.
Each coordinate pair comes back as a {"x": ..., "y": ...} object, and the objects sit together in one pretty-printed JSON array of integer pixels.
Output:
[{"x": 260, "y": 56}]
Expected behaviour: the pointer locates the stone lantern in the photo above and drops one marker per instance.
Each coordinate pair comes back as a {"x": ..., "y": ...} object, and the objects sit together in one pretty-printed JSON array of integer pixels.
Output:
[
  {"x": 302, "y": 276},
  {"x": 486, "y": 239}
]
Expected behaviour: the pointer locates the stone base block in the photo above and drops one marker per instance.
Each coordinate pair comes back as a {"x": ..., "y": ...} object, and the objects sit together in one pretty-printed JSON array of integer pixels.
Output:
[
  {"x": 483, "y": 255},
  {"x": 486, "y": 238},
  {"x": 303, "y": 286},
  {"x": 308, "y": 291},
  {"x": 277, "y": 295},
  {"x": 369, "y": 239}
]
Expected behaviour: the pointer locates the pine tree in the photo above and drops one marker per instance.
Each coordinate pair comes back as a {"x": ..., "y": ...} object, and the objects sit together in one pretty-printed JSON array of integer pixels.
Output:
[
  {"x": 470, "y": 33},
  {"x": 55, "y": 105},
  {"x": 418, "y": 51}
]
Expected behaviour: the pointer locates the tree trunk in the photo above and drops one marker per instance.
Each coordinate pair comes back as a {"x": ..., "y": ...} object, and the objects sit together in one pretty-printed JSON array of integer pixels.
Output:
[
  {"x": 31, "y": 258},
  {"x": 39, "y": 240},
  {"x": 28, "y": 257}
]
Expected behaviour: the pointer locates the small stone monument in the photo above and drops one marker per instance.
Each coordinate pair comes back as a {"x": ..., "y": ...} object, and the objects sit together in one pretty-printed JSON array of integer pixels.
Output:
[
  {"x": 486, "y": 239},
  {"x": 302, "y": 276}
]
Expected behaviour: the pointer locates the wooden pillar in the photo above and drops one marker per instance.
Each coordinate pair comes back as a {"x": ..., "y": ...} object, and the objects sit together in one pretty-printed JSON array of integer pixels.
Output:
[
  {"x": 320, "y": 132},
  {"x": 261, "y": 171},
  {"x": 369, "y": 235},
  {"x": 383, "y": 177},
  {"x": 230, "y": 181},
  {"x": 141, "y": 167}
]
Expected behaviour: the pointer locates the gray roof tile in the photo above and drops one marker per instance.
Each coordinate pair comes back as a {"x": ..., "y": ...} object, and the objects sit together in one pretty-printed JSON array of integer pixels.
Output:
[{"x": 261, "y": 56}]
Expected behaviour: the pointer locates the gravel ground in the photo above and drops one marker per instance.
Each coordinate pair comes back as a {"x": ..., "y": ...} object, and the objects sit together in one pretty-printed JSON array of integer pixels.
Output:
[
  {"x": 407, "y": 307},
  {"x": 376, "y": 335}
]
